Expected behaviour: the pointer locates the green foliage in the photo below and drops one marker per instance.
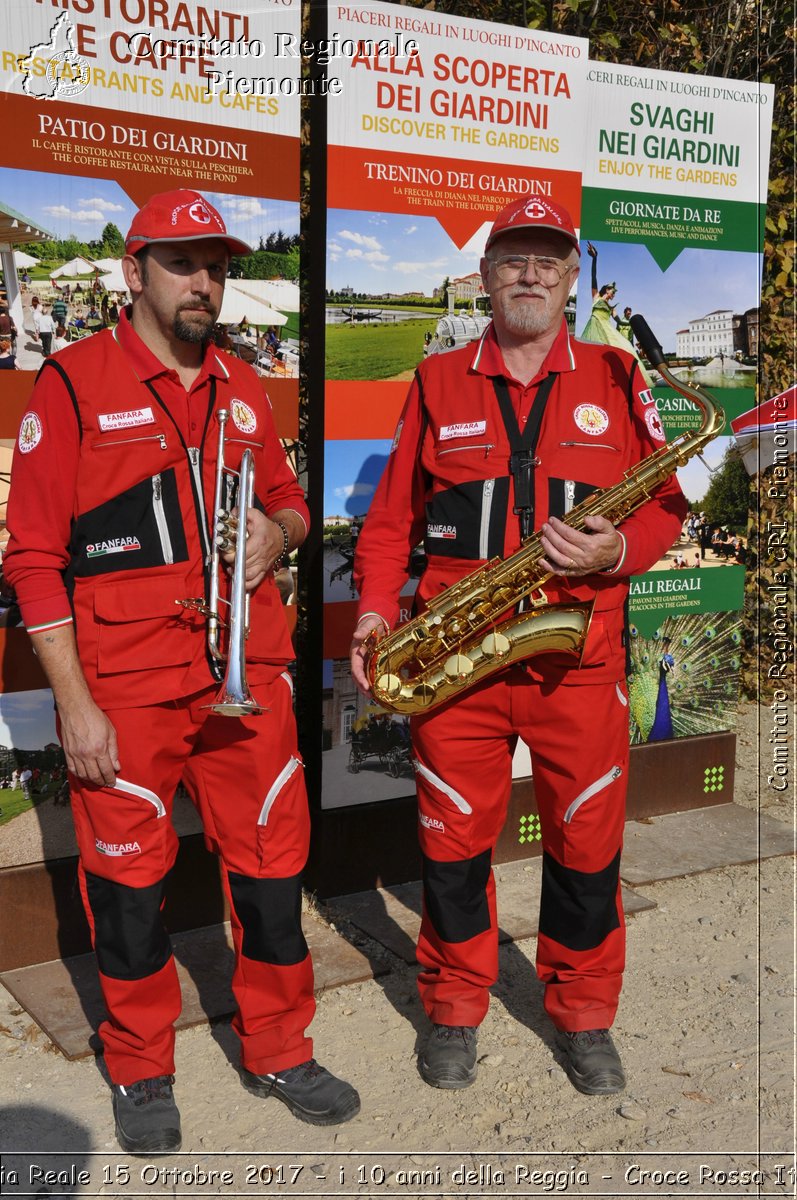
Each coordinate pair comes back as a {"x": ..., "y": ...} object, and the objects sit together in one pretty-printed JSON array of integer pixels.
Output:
[
  {"x": 726, "y": 501},
  {"x": 71, "y": 248},
  {"x": 264, "y": 264},
  {"x": 111, "y": 243}
]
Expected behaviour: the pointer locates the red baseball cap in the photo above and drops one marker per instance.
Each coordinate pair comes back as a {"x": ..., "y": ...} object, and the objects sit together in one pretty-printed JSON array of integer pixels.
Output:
[
  {"x": 179, "y": 216},
  {"x": 533, "y": 212}
]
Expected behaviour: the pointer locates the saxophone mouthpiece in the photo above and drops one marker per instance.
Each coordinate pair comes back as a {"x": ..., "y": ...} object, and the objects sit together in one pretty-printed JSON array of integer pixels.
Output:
[{"x": 644, "y": 335}]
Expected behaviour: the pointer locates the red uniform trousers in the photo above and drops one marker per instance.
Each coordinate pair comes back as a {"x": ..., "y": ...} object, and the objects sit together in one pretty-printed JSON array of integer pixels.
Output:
[
  {"x": 578, "y": 738},
  {"x": 246, "y": 779}
]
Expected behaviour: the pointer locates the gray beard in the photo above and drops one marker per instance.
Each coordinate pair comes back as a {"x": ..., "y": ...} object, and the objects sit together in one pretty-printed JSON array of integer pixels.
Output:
[{"x": 524, "y": 320}]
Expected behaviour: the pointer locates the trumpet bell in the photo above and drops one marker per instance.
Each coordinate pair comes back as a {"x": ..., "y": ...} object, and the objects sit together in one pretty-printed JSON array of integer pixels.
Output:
[{"x": 235, "y": 704}]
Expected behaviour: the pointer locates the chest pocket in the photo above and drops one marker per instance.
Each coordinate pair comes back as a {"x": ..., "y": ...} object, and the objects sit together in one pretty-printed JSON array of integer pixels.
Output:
[
  {"x": 140, "y": 527},
  {"x": 468, "y": 520},
  {"x": 464, "y": 455},
  {"x": 582, "y": 467},
  {"x": 566, "y": 494}
]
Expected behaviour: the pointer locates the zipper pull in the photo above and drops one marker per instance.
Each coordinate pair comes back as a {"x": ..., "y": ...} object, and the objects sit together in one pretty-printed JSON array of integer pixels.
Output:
[
  {"x": 570, "y": 494},
  {"x": 162, "y": 440}
]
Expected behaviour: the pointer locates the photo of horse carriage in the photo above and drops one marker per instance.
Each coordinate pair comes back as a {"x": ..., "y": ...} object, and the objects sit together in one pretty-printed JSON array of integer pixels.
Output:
[{"x": 383, "y": 739}]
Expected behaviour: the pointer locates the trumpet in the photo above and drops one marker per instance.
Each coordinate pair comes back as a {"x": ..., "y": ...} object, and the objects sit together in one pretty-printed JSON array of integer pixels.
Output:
[{"x": 234, "y": 698}]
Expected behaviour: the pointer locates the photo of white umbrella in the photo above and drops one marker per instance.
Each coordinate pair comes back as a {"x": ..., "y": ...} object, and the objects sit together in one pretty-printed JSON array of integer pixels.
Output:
[
  {"x": 237, "y": 305},
  {"x": 75, "y": 266}
]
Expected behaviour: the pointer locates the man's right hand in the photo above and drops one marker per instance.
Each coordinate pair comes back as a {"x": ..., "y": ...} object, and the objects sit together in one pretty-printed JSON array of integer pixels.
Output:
[
  {"x": 89, "y": 742},
  {"x": 357, "y": 653}
]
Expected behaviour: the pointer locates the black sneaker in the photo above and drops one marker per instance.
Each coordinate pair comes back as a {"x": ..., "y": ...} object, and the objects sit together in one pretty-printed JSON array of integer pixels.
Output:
[
  {"x": 147, "y": 1120},
  {"x": 310, "y": 1091},
  {"x": 592, "y": 1062},
  {"x": 448, "y": 1060}
]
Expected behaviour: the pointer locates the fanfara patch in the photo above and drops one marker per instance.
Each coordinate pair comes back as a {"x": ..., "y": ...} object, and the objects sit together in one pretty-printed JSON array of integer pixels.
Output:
[
  {"x": 243, "y": 417},
  {"x": 431, "y": 822},
  {"x": 397, "y": 436},
  {"x": 30, "y": 432},
  {"x": 591, "y": 419},
  {"x": 653, "y": 422},
  {"x": 465, "y": 429},
  {"x": 441, "y": 531},
  {"x": 126, "y": 420},
  {"x": 118, "y": 545},
  {"x": 117, "y": 849}
]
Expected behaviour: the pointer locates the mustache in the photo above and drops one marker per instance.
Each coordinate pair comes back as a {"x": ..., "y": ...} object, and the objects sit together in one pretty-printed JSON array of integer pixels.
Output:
[
  {"x": 197, "y": 305},
  {"x": 533, "y": 291}
]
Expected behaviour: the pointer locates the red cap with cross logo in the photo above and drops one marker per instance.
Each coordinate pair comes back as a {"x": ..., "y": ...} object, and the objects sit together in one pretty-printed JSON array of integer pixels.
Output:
[
  {"x": 533, "y": 212},
  {"x": 179, "y": 216}
]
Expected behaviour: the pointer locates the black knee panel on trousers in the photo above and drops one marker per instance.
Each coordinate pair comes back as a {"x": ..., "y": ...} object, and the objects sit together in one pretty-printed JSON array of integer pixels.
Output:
[
  {"x": 270, "y": 912},
  {"x": 456, "y": 896},
  {"x": 578, "y": 909},
  {"x": 130, "y": 940}
]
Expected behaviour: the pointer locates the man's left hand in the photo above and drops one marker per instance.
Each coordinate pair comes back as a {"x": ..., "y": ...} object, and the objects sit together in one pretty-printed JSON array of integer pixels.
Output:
[{"x": 572, "y": 552}]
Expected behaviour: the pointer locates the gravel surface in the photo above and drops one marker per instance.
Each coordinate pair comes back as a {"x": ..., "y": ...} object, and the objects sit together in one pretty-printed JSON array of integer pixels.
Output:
[{"x": 705, "y": 1028}]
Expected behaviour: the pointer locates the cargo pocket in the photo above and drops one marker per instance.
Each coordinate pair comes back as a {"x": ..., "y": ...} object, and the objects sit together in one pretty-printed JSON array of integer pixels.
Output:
[
  {"x": 283, "y": 825},
  {"x": 141, "y": 626},
  {"x": 126, "y": 837},
  {"x": 445, "y": 817}
]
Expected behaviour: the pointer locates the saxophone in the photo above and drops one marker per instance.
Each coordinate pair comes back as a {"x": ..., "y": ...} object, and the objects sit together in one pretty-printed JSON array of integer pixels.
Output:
[{"x": 473, "y": 628}]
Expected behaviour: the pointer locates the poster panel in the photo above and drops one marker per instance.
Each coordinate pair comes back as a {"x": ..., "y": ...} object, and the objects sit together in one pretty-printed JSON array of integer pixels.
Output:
[
  {"x": 675, "y": 181},
  {"x": 441, "y": 122},
  {"x": 110, "y": 102}
]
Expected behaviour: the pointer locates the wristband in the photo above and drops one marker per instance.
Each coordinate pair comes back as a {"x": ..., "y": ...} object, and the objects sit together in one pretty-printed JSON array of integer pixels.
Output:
[{"x": 282, "y": 557}]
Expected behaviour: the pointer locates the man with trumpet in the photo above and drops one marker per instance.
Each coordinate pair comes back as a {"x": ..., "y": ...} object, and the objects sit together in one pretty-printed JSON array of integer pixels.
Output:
[
  {"x": 111, "y": 528},
  {"x": 496, "y": 441}
]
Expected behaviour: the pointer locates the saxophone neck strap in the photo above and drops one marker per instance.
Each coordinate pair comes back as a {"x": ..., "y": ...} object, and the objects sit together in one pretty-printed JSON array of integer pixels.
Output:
[{"x": 523, "y": 445}]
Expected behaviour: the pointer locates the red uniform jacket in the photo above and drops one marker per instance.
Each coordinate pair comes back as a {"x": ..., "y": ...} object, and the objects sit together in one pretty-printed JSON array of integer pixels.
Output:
[
  {"x": 447, "y": 482},
  {"x": 108, "y": 514}
]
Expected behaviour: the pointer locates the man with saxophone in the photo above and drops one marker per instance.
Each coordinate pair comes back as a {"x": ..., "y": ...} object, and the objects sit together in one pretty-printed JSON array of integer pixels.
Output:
[
  {"x": 497, "y": 440},
  {"x": 113, "y": 481}
]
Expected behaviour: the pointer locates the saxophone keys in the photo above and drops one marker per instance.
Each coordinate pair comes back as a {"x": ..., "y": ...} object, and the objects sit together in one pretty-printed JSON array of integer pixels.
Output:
[
  {"x": 458, "y": 667},
  {"x": 389, "y": 686},
  {"x": 496, "y": 645},
  {"x": 423, "y": 694}
]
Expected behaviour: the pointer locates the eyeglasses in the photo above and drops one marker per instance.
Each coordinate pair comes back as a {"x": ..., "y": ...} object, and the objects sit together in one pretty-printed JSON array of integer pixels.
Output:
[{"x": 510, "y": 267}]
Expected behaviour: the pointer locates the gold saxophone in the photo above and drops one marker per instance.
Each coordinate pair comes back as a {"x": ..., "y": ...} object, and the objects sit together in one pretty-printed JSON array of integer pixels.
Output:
[{"x": 472, "y": 629}]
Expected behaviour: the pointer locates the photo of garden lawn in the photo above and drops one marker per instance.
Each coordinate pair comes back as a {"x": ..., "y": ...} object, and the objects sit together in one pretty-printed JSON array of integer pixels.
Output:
[{"x": 375, "y": 351}]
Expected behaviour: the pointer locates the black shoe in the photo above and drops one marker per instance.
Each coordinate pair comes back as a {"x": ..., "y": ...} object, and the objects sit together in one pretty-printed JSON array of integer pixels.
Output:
[
  {"x": 448, "y": 1060},
  {"x": 592, "y": 1062},
  {"x": 147, "y": 1120},
  {"x": 310, "y": 1092}
]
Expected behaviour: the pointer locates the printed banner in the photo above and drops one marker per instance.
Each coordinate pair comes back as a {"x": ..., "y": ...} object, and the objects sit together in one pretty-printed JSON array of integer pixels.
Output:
[
  {"x": 675, "y": 180},
  {"x": 441, "y": 122}
]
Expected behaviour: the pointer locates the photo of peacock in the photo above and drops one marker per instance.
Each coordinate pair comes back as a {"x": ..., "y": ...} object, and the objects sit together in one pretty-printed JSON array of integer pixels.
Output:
[{"x": 684, "y": 679}]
